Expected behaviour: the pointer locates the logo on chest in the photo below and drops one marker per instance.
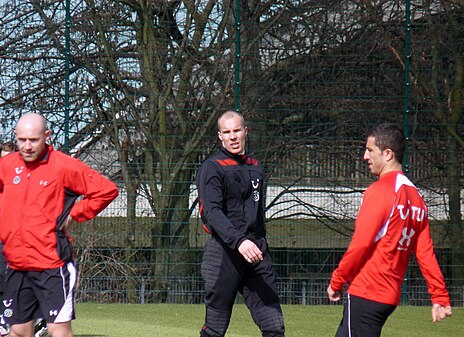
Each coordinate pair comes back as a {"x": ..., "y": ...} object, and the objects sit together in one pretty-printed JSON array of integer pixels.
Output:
[
  {"x": 255, "y": 185},
  {"x": 17, "y": 178}
]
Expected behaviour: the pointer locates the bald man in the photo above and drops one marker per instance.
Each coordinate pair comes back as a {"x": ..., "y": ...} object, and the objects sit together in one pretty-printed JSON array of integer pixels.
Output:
[
  {"x": 41, "y": 187},
  {"x": 236, "y": 257}
]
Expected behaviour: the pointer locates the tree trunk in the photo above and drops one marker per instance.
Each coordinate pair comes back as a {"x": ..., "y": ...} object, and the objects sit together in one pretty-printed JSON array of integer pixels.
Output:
[{"x": 455, "y": 216}]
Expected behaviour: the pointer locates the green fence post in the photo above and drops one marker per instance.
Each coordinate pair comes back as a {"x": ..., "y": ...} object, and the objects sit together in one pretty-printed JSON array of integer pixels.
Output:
[
  {"x": 407, "y": 51},
  {"x": 67, "y": 54},
  {"x": 404, "y": 291},
  {"x": 237, "y": 54}
]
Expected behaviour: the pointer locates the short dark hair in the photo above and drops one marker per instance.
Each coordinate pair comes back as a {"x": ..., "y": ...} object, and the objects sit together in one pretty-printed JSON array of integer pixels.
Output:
[
  {"x": 9, "y": 147},
  {"x": 390, "y": 136}
]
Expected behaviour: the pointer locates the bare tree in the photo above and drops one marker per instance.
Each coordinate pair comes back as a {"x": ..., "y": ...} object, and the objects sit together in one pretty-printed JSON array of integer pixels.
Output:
[{"x": 148, "y": 78}]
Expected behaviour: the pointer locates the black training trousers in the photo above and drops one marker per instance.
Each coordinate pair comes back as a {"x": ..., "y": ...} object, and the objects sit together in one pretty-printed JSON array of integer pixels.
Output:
[
  {"x": 363, "y": 318},
  {"x": 225, "y": 273}
]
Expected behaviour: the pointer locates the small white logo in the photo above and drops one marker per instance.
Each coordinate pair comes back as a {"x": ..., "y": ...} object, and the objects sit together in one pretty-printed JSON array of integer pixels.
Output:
[
  {"x": 53, "y": 313},
  {"x": 8, "y": 313},
  {"x": 18, "y": 170},
  {"x": 255, "y": 195},
  {"x": 7, "y": 303},
  {"x": 16, "y": 180},
  {"x": 43, "y": 183},
  {"x": 255, "y": 185},
  {"x": 406, "y": 237}
]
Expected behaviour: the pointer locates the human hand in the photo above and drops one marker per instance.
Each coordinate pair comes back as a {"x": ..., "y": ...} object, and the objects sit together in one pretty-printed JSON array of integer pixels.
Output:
[
  {"x": 250, "y": 252},
  {"x": 440, "y": 312},
  {"x": 334, "y": 296},
  {"x": 66, "y": 225}
]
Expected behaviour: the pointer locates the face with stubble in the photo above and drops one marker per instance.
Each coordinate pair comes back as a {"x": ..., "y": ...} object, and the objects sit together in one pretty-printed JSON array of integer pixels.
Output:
[
  {"x": 31, "y": 136},
  {"x": 376, "y": 159},
  {"x": 232, "y": 133}
]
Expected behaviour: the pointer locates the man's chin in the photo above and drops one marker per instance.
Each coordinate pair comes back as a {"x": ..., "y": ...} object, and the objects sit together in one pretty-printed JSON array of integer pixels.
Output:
[
  {"x": 28, "y": 159},
  {"x": 235, "y": 151}
]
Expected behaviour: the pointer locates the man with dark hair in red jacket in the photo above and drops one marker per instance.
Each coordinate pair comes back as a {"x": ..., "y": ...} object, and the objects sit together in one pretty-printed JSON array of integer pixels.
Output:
[
  {"x": 40, "y": 188},
  {"x": 391, "y": 224}
]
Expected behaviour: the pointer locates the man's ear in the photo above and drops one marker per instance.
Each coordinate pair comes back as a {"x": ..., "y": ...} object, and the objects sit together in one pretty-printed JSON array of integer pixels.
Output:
[
  {"x": 390, "y": 154},
  {"x": 47, "y": 135}
]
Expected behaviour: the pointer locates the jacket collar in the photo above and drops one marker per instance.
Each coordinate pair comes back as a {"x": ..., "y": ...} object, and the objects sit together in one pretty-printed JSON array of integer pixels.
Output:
[{"x": 242, "y": 158}]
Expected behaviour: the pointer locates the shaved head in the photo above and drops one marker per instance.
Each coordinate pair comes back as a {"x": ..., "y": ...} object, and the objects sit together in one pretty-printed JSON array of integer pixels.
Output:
[
  {"x": 32, "y": 119},
  {"x": 232, "y": 132},
  {"x": 32, "y": 136},
  {"x": 230, "y": 114}
]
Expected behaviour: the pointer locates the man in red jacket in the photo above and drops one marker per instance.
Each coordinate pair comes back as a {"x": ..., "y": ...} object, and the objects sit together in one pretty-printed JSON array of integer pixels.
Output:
[
  {"x": 40, "y": 190},
  {"x": 392, "y": 222}
]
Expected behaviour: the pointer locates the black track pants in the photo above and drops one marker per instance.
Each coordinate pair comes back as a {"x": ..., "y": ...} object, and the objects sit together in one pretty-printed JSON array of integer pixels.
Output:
[{"x": 225, "y": 273}]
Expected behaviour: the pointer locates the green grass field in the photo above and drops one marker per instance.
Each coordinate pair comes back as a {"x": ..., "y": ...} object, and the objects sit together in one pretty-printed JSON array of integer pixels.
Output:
[{"x": 184, "y": 320}]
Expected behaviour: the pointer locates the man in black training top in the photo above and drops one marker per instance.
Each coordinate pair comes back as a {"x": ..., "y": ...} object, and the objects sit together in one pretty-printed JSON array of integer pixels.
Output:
[{"x": 235, "y": 258}]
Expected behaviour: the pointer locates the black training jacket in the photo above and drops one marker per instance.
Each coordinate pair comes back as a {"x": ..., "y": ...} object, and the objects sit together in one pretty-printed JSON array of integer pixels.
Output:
[{"x": 230, "y": 189}]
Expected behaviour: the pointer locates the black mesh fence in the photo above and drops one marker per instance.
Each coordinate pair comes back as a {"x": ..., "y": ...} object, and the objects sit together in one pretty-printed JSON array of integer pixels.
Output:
[{"x": 135, "y": 91}]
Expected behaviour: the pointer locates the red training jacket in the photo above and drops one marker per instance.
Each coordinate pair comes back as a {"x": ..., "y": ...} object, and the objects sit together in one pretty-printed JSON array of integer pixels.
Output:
[
  {"x": 37, "y": 198},
  {"x": 392, "y": 222}
]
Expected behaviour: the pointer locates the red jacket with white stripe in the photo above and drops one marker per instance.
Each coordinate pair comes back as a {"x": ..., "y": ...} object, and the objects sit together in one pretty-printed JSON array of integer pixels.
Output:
[
  {"x": 392, "y": 222},
  {"x": 36, "y": 200}
]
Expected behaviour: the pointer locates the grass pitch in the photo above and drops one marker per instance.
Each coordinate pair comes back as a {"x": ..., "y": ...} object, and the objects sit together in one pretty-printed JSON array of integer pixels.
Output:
[{"x": 184, "y": 320}]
